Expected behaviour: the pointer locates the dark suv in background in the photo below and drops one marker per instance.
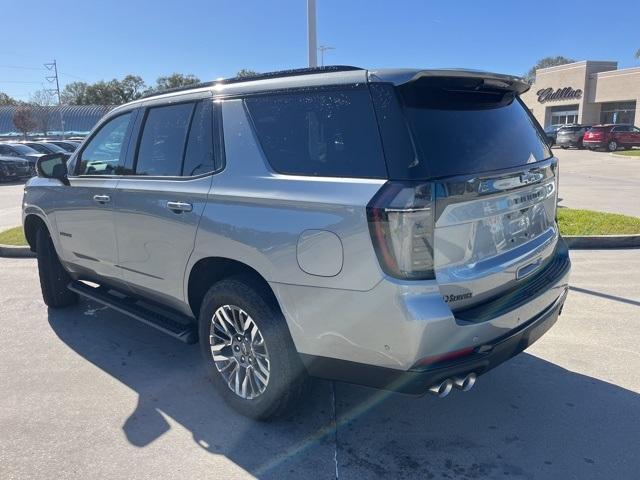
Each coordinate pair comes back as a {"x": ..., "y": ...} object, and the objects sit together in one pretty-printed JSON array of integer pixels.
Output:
[
  {"x": 571, "y": 135},
  {"x": 612, "y": 137}
]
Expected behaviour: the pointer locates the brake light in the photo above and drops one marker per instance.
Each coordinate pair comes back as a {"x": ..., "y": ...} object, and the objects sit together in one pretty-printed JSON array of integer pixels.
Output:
[{"x": 401, "y": 223}]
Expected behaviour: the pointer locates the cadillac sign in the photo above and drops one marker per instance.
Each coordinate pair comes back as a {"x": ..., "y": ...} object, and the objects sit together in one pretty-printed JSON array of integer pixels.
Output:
[{"x": 566, "y": 93}]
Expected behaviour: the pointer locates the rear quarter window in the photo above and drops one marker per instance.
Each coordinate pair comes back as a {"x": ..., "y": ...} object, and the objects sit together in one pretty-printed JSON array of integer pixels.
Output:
[{"x": 330, "y": 133}]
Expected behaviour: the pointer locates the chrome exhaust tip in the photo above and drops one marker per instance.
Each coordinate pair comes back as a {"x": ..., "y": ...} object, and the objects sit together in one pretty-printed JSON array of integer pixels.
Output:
[
  {"x": 442, "y": 389},
  {"x": 465, "y": 383}
]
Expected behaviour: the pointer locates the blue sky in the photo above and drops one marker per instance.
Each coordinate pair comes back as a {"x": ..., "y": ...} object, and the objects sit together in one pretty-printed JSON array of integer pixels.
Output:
[{"x": 94, "y": 40}]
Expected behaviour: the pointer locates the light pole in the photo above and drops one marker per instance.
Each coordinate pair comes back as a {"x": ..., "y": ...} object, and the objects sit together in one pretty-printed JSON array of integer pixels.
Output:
[
  {"x": 311, "y": 33},
  {"x": 322, "y": 49}
]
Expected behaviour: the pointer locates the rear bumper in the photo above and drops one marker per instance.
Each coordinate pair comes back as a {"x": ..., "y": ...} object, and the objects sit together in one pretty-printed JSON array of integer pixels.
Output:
[
  {"x": 417, "y": 381},
  {"x": 568, "y": 142},
  {"x": 594, "y": 143}
]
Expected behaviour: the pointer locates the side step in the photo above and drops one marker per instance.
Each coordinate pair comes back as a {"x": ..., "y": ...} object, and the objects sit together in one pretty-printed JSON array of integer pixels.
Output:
[{"x": 175, "y": 324}]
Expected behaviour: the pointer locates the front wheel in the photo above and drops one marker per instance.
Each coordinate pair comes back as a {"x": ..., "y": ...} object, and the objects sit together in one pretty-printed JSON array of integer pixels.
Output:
[
  {"x": 53, "y": 277},
  {"x": 248, "y": 350},
  {"x": 612, "y": 146}
]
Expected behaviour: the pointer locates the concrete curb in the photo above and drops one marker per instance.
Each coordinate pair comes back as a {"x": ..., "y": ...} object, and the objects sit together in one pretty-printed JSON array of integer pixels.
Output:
[
  {"x": 13, "y": 251},
  {"x": 595, "y": 242}
]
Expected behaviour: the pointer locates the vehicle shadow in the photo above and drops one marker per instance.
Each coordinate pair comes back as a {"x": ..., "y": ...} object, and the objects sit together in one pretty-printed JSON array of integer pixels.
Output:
[{"x": 526, "y": 419}]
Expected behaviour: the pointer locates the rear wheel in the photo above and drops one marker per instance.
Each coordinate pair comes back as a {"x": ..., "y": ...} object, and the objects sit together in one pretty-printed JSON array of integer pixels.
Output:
[
  {"x": 248, "y": 350},
  {"x": 53, "y": 277},
  {"x": 612, "y": 146}
]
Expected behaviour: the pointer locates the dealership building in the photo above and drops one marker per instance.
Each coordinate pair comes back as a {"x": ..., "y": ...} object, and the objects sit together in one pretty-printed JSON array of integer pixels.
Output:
[{"x": 587, "y": 92}]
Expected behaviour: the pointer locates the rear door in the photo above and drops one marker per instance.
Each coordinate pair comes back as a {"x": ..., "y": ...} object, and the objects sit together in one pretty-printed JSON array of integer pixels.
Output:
[
  {"x": 158, "y": 207},
  {"x": 495, "y": 183}
]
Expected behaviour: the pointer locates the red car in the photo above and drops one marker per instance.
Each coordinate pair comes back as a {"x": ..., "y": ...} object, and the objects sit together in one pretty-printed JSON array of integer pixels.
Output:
[{"x": 612, "y": 137}]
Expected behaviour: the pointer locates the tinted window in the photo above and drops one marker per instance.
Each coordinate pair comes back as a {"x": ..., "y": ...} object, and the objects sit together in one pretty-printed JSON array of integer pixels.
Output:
[
  {"x": 163, "y": 140},
  {"x": 199, "y": 156},
  {"x": 328, "y": 133},
  {"x": 104, "y": 154},
  {"x": 23, "y": 149},
  {"x": 461, "y": 128}
]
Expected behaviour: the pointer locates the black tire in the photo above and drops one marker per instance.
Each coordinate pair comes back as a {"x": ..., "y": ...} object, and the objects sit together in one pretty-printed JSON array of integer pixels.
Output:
[
  {"x": 53, "y": 277},
  {"x": 288, "y": 380},
  {"x": 612, "y": 146}
]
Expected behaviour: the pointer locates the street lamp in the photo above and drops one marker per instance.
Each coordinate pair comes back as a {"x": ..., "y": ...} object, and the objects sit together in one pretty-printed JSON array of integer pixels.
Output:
[{"x": 322, "y": 49}]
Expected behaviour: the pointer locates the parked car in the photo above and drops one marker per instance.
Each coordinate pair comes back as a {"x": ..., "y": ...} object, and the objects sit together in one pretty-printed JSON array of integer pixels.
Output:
[
  {"x": 21, "y": 151},
  {"x": 12, "y": 168},
  {"x": 66, "y": 145},
  {"x": 45, "y": 147},
  {"x": 551, "y": 133},
  {"x": 322, "y": 232},
  {"x": 612, "y": 137},
  {"x": 571, "y": 135}
]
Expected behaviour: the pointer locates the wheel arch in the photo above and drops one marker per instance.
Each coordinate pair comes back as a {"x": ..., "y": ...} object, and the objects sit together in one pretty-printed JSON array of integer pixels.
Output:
[
  {"x": 209, "y": 270},
  {"x": 32, "y": 223}
]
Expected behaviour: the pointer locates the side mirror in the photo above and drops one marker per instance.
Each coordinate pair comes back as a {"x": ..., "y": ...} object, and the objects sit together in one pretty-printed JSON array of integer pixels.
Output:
[{"x": 53, "y": 166}]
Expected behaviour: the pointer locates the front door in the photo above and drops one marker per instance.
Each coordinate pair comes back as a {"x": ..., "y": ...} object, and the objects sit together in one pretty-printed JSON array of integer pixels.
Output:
[
  {"x": 84, "y": 213},
  {"x": 157, "y": 210}
]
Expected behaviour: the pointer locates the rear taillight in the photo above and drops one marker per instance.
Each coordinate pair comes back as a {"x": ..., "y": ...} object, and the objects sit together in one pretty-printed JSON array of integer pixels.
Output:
[{"x": 401, "y": 222}]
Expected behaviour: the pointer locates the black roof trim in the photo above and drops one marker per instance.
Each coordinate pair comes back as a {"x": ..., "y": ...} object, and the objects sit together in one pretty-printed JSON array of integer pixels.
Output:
[{"x": 260, "y": 76}]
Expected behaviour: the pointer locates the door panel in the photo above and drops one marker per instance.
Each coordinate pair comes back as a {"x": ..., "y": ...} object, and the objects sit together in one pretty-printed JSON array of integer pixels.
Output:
[
  {"x": 155, "y": 241},
  {"x": 86, "y": 226}
]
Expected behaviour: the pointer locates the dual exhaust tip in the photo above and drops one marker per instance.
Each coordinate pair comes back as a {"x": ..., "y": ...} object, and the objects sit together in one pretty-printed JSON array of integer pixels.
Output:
[{"x": 444, "y": 388}]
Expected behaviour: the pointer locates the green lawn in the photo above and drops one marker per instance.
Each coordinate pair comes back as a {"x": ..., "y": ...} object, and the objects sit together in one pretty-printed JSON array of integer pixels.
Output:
[
  {"x": 629, "y": 153},
  {"x": 13, "y": 236},
  {"x": 588, "y": 222}
]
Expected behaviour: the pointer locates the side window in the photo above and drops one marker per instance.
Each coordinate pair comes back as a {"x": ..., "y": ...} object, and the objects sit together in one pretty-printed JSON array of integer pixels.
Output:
[
  {"x": 163, "y": 141},
  {"x": 104, "y": 153},
  {"x": 324, "y": 133},
  {"x": 199, "y": 157}
]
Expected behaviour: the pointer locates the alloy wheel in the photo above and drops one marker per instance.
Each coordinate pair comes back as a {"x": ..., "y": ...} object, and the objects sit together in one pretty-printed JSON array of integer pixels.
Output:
[
  {"x": 613, "y": 146},
  {"x": 239, "y": 351}
]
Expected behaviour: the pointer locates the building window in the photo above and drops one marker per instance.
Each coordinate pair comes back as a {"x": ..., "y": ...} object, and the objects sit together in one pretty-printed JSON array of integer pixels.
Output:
[
  {"x": 563, "y": 115},
  {"x": 618, "y": 112}
]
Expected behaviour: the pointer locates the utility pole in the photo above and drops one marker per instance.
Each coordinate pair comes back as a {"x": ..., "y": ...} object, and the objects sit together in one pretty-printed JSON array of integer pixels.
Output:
[
  {"x": 311, "y": 33},
  {"x": 53, "y": 67},
  {"x": 322, "y": 49}
]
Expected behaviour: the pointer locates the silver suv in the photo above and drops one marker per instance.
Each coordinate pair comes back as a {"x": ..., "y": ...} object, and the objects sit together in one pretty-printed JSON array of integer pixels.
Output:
[{"x": 391, "y": 228}]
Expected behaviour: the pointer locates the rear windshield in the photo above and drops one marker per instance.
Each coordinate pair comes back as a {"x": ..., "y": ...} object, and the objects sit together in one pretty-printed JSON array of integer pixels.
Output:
[
  {"x": 23, "y": 149},
  {"x": 458, "y": 127},
  {"x": 569, "y": 129}
]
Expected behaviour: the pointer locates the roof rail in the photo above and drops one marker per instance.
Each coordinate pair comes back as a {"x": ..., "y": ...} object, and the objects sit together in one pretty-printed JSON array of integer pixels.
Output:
[{"x": 259, "y": 76}]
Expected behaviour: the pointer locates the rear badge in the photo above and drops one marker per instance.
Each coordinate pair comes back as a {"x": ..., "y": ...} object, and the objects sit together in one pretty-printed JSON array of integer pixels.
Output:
[{"x": 456, "y": 298}]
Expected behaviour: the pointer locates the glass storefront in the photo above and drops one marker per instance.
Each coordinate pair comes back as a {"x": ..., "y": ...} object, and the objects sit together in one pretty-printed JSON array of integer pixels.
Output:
[
  {"x": 563, "y": 115},
  {"x": 618, "y": 112}
]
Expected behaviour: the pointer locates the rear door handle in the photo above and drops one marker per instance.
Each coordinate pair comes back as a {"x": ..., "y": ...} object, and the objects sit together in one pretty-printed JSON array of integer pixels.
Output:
[
  {"x": 102, "y": 198},
  {"x": 178, "y": 207}
]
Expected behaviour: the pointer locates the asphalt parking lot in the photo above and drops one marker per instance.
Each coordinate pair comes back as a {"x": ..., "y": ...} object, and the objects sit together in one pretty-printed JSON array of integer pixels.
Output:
[
  {"x": 599, "y": 181},
  {"x": 11, "y": 201},
  {"x": 88, "y": 393}
]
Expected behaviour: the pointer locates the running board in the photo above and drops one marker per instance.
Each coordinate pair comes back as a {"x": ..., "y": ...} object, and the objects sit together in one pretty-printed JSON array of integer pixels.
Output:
[{"x": 174, "y": 324}]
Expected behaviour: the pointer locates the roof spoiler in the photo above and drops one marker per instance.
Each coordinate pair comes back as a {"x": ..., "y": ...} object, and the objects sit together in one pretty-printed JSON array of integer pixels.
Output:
[{"x": 493, "y": 80}]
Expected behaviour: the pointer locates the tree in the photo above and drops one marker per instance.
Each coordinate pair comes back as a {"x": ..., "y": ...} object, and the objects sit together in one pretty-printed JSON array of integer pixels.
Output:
[
  {"x": 113, "y": 92},
  {"x": 74, "y": 93},
  {"x": 23, "y": 120},
  {"x": 638, "y": 54},
  {"x": 175, "y": 80},
  {"x": 7, "y": 100},
  {"x": 246, "y": 73},
  {"x": 42, "y": 102},
  {"x": 546, "y": 63}
]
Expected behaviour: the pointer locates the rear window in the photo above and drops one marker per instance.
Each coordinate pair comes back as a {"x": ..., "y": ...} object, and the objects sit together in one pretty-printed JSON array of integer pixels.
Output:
[
  {"x": 330, "y": 133},
  {"x": 458, "y": 127}
]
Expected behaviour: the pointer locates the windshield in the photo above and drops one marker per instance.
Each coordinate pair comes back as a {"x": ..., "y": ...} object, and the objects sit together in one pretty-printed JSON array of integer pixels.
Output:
[
  {"x": 461, "y": 130},
  {"x": 23, "y": 149}
]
